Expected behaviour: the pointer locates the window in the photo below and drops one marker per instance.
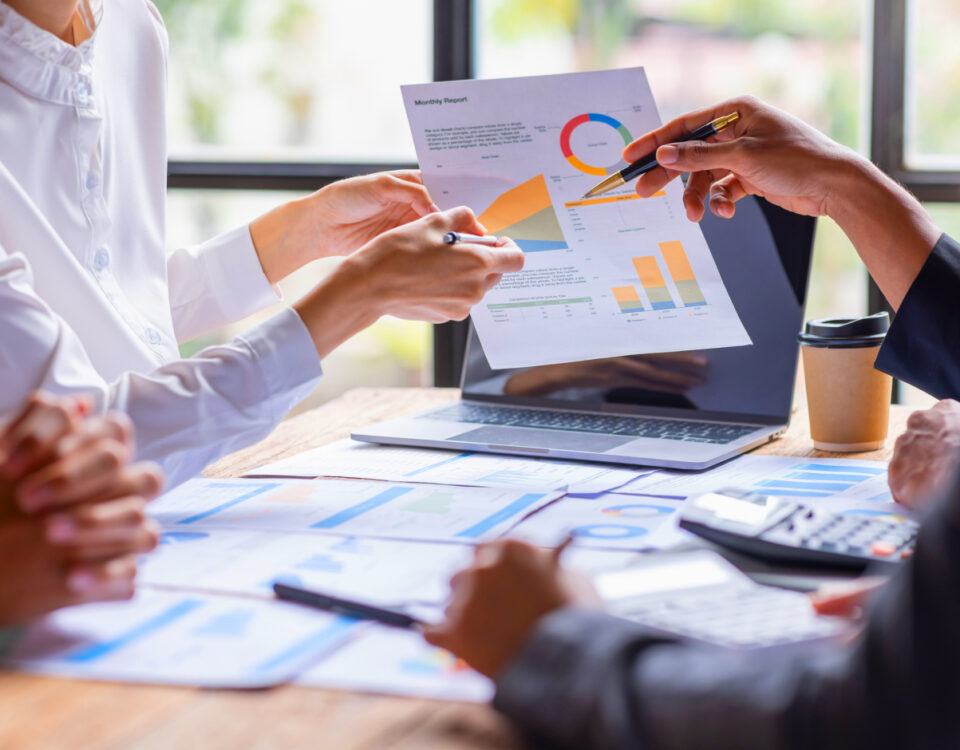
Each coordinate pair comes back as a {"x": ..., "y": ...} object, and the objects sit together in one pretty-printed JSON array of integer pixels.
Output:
[{"x": 293, "y": 94}]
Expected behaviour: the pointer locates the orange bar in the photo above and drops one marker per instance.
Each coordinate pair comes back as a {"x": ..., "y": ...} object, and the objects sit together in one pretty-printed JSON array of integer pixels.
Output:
[
  {"x": 677, "y": 261},
  {"x": 625, "y": 294},
  {"x": 649, "y": 272},
  {"x": 608, "y": 199}
]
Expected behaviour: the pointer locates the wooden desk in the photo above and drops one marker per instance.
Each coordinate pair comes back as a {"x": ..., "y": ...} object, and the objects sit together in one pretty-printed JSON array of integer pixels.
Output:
[{"x": 47, "y": 714}]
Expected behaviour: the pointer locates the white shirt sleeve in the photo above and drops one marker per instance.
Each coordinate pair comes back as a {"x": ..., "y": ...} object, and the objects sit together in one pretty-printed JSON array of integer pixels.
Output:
[
  {"x": 216, "y": 283},
  {"x": 187, "y": 413}
]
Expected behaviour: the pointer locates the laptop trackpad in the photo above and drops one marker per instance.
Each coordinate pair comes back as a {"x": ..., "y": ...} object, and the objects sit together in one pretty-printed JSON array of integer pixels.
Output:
[{"x": 549, "y": 439}]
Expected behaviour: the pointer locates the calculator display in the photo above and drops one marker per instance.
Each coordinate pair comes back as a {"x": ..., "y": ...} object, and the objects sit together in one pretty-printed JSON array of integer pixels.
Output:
[{"x": 750, "y": 510}]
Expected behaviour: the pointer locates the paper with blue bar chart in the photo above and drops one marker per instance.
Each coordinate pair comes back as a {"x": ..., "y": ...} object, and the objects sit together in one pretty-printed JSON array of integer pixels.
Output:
[
  {"x": 388, "y": 572},
  {"x": 350, "y": 458},
  {"x": 348, "y": 508},
  {"x": 180, "y": 639},
  {"x": 614, "y": 275},
  {"x": 845, "y": 485}
]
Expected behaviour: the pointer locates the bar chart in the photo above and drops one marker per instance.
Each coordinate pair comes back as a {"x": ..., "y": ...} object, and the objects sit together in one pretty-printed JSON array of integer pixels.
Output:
[
  {"x": 627, "y": 298},
  {"x": 679, "y": 266},
  {"x": 653, "y": 284}
]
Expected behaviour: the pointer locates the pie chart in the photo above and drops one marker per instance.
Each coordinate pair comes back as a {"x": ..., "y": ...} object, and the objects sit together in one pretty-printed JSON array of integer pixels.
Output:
[{"x": 583, "y": 164}]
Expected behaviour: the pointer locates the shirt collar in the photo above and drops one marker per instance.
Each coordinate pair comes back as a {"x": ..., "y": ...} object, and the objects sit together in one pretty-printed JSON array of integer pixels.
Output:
[{"x": 42, "y": 65}]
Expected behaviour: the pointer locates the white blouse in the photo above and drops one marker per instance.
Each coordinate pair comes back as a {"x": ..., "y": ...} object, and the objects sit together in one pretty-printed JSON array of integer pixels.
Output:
[{"x": 90, "y": 302}]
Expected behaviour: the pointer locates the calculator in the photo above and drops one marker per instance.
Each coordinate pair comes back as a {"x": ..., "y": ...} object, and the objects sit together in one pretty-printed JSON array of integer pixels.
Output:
[
  {"x": 699, "y": 596},
  {"x": 780, "y": 530}
]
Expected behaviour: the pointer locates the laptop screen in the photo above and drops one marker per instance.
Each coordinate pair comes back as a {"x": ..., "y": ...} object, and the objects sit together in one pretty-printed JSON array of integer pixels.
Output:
[{"x": 763, "y": 255}]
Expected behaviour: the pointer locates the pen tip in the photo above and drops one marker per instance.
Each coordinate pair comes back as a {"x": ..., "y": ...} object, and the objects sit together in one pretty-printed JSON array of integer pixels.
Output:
[{"x": 585, "y": 196}]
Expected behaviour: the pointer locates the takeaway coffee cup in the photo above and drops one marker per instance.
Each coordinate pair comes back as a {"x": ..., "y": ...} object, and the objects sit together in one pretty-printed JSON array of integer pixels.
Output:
[{"x": 849, "y": 400}]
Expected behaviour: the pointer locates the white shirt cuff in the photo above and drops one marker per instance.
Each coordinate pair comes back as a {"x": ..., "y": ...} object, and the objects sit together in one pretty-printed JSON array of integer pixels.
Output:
[{"x": 236, "y": 277}]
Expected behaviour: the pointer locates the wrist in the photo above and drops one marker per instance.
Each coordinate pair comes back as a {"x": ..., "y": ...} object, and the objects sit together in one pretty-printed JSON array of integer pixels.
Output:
[{"x": 339, "y": 307}]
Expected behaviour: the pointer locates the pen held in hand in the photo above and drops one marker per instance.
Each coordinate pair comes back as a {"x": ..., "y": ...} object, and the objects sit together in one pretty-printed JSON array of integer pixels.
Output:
[
  {"x": 347, "y": 607},
  {"x": 648, "y": 162},
  {"x": 452, "y": 238}
]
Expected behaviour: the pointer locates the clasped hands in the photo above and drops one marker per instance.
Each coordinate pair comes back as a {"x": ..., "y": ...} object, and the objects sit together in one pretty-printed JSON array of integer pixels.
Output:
[{"x": 72, "y": 509}]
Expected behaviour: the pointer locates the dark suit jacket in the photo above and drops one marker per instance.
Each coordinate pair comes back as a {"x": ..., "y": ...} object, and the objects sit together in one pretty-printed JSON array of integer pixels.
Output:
[{"x": 588, "y": 680}]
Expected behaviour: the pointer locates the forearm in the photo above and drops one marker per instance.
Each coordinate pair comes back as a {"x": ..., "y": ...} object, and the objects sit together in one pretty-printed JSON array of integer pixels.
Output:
[
  {"x": 342, "y": 305},
  {"x": 891, "y": 231}
]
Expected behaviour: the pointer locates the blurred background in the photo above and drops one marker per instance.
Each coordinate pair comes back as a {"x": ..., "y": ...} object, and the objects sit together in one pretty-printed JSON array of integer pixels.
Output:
[{"x": 264, "y": 95}]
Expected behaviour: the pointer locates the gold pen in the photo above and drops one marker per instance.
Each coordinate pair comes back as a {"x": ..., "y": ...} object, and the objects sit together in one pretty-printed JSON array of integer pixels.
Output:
[{"x": 649, "y": 161}]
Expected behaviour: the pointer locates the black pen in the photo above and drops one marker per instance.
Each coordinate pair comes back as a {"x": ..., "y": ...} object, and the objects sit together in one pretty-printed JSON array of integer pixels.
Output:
[
  {"x": 346, "y": 607},
  {"x": 648, "y": 162}
]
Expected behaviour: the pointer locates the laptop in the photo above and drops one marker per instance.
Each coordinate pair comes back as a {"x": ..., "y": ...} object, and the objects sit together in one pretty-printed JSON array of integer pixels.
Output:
[{"x": 681, "y": 410}]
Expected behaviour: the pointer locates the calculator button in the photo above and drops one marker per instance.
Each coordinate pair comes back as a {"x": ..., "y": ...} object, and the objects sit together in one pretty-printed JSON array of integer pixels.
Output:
[{"x": 883, "y": 549}]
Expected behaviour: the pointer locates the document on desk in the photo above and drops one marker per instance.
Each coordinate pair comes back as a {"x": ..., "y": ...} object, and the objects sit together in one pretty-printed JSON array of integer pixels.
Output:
[
  {"x": 613, "y": 275},
  {"x": 180, "y": 639},
  {"x": 608, "y": 522},
  {"x": 839, "y": 483},
  {"x": 396, "y": 662},
  {"x": 382, "y": 571},
  {"x": 348, "y": 508},
  {"x": 350, "y": 458}
]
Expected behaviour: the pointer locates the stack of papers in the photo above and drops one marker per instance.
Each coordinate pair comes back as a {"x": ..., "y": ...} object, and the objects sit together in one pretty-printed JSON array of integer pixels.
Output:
[
  {"x": 205, "y": 613},
  {"x": 349, "y": 458}
]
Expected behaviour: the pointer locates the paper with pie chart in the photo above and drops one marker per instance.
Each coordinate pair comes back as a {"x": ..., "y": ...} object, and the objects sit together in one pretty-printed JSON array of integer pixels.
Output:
[
  {"x": 608, "y": 522},
  {"x": 614, "y": 275}
]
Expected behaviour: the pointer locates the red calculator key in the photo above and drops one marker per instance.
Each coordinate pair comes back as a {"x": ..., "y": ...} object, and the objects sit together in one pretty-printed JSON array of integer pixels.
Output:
[{"x": 883, "y": 549}]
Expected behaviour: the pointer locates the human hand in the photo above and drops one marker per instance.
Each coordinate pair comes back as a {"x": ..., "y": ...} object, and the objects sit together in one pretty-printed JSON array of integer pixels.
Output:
[
  {"x": 766, "y": 152},
  {"x": 497, "y": 601},
  {"x": 675, "y": 372},
  {"x": 846, "y": 599},
  {"x": 408, "y": 272},
  {"x": 926, "y": 456},
  {"x": 338, "y": 219},
  {"x": 73, "y": 509}
]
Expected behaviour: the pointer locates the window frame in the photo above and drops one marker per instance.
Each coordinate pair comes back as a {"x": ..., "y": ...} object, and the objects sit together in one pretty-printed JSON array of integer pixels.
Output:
[{"x": 453, "y": 59}]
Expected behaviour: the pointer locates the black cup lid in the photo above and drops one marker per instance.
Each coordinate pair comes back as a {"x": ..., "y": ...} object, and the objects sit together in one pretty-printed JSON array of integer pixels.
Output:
[{"x": 868, "y": 331}]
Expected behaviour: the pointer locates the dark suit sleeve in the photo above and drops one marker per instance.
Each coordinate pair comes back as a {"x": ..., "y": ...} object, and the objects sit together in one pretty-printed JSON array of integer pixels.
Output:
[
  {"x": 588, "y": 680},
  {"x": 923, "y": 345}
]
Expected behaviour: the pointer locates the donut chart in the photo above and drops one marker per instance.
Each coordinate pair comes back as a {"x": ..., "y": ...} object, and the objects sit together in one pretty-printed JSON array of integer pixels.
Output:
[
  {"x": 575, "y": 123},
  {"x": 608, "y": 531}
]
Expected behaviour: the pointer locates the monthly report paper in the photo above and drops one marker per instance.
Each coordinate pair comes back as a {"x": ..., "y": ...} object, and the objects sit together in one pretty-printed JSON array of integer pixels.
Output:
[{"x": 614, "y": 275}]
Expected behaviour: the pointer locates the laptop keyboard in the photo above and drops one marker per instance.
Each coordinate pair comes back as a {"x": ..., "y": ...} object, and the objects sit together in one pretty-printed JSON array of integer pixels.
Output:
[{"x": 606, "y": 424}]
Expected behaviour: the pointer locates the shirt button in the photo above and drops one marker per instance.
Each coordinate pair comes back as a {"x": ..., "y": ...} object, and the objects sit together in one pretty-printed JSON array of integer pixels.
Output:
[
  {"x": 83, "y": 89},
  {"x": 153, "y": 336},
  {"x": 93, "y": 179},
  {"x": 101, "y": 260}
]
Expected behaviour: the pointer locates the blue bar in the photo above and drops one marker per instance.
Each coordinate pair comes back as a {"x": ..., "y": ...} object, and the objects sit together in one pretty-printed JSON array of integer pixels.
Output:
[
  {"x": 694, "y": 304},
  {"x": 827, "y": 486},
  {"x": 438, "y": 463},
  {"x": 97, "y": 650},
  {"x": 360, "y": 508},
  {"x": 330, "y": 635},
  {"x": 500, "y": 516},
  {"x": 663, "y": 306},
  {"x": 230, "y": 503},
  {"x": 825, "y": 477},
  {"x": 869, "y": 470},
  {"x": 539, "y": 246},
  {"x": 794, "y": 493}
]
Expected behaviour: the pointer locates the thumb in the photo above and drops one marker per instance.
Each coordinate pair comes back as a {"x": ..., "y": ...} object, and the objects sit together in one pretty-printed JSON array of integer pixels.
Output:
[
  {"x": 435, "y": 635},
  {"x": 696, "y": 156},
  {"x": 400, "y": 190}
]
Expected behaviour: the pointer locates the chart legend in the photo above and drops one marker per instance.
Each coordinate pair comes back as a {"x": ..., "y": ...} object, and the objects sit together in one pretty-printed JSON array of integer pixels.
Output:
[
  {"x": 653, "y": 284},
  {"x": 525, "y": 214},
  {"x": 679, "y": 266}
]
